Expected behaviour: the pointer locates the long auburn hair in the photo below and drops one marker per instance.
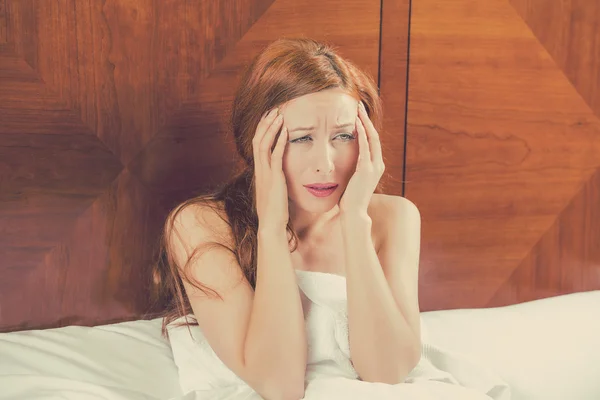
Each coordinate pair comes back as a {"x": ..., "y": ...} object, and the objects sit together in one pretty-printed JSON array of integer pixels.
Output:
[{"x": 286, "y": 69}]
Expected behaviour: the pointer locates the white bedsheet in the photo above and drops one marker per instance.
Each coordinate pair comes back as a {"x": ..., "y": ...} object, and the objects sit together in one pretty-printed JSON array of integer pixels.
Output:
[
  {"x": 545, "y": 350},
  {"x": 125, "y": 361},
  {"x": 330, "y": 374}
]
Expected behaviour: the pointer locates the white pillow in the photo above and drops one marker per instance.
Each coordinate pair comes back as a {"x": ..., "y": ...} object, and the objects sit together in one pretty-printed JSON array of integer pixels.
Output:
[
  {"x": 544, "y": 349},
  {"x": 123, "y": 361}
]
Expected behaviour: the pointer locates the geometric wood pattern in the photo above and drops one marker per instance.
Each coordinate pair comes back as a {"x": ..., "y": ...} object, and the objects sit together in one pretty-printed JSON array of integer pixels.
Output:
[
  {"x": 568, "y": 30},
  {"x": 567, "y": 257},
  {"x": 111, "y": 112},
  {"x": 503, "y": 150}
]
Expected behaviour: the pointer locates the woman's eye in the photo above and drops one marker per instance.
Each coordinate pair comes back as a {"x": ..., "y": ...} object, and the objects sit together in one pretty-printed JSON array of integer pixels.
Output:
[
  {"x": 300, "y": 140},
  {"x": 347, "y": 137}
]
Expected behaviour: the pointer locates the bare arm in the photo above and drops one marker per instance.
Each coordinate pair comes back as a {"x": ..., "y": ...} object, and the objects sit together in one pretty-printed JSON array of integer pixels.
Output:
[
  {"x": 276, "y": 341},
  {"x": 260, "y": 335},
  {"x": 383, "y": 344}
]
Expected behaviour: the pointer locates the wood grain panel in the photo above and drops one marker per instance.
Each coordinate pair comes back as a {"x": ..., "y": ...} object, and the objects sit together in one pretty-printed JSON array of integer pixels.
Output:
[
  {"x": 177, "y": 50},
  {"x": 392, "y": 84},
  {"x": 170, "y": 165},
  {"x": 22, "y": 29},
  {"x": 499, "y": 144},
  {"x": 3, "y": 32},
  {"x": 569, "y": 31},
  {"x": 98, "y": 272},
  {"x": 111, "y": 112},
  {"x": 67, "y": 87},
  {"x": 567, "y": 257}
]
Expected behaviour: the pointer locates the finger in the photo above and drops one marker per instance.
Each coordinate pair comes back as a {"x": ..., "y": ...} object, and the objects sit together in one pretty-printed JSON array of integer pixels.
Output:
[
  {"x": 372, "y": 134},
  {"x": 259, "y": 133},
  {"x": 261, "y": 129},
  {"x": 268, "y": 139},
  {"x": 277, "y": 155},
  {"x": 364, "y": 153}
]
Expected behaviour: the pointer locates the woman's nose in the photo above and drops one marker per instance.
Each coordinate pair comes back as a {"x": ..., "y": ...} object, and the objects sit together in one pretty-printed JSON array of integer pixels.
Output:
[{"x": 323, "y": 157}]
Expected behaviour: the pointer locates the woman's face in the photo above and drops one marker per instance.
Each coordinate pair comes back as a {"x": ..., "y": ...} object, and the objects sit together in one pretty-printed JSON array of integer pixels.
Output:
[{"x": 325, "y": 152}]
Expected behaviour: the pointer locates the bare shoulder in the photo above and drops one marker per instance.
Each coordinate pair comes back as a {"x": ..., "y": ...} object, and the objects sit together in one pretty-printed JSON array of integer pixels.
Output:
[
  {"x": 386, "y": 209},
  {"x": 383, "y": 204},
  {"x": 206, "y": 219}
]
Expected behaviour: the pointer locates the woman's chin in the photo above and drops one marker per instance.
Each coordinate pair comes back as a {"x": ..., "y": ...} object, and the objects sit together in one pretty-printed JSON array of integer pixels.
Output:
[
  {"x": 313, "y": 204},
  {"x": 321, "y": 205}
]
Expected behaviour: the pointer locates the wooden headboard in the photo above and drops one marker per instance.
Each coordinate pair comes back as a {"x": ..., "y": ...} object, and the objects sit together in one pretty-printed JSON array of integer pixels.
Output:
[
  {"x": 503, "y": 153},
  {"x": 108, "y": 119}
]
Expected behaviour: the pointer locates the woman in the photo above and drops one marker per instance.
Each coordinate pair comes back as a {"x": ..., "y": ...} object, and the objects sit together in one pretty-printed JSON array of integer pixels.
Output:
[{"x": 301, "y": 235}]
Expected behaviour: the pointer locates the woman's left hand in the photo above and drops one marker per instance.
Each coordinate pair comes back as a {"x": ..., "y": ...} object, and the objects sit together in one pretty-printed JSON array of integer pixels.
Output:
[{"x": 369, "y": 168}]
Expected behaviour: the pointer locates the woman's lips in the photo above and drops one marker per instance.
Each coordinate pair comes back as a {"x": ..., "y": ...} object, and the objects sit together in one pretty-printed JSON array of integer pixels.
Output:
[{"x": 321, "y": 192}]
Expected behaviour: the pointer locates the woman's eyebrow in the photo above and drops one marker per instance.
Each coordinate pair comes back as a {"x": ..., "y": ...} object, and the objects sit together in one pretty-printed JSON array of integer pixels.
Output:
[{"x": 310, "y": 128}]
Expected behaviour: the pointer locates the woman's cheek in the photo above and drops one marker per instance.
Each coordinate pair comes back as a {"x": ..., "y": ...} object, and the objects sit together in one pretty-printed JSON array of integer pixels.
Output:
[
  {"x": 348, "y": 156},
  {"x": 290, "y": 164}
]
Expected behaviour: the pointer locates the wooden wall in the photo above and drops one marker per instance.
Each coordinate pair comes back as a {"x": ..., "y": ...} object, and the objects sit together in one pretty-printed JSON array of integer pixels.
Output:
[
  {"x": 503, "y": 153},
  {"x": 111, "y": 112}
]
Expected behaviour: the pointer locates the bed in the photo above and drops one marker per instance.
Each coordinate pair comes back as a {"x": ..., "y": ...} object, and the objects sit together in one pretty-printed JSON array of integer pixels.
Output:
[
  {"x": 491, "y": 135},
  {"x": 544, "y": 349}
]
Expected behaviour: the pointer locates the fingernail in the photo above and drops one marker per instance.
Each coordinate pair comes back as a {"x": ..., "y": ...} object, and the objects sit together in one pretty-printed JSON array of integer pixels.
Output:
[{"x": 362, "y": 105}]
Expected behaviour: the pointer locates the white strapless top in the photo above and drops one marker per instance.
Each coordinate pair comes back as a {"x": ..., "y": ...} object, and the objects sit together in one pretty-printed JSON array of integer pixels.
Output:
[{"x": 326, "y": 321}]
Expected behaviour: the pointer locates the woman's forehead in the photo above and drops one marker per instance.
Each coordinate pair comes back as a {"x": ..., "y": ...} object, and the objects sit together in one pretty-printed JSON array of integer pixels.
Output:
[{"x": 329, "y": 106}]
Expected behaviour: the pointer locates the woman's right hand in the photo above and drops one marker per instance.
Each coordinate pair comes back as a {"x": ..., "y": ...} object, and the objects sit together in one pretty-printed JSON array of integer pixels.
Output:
[{"x": 271, "y": 188}]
